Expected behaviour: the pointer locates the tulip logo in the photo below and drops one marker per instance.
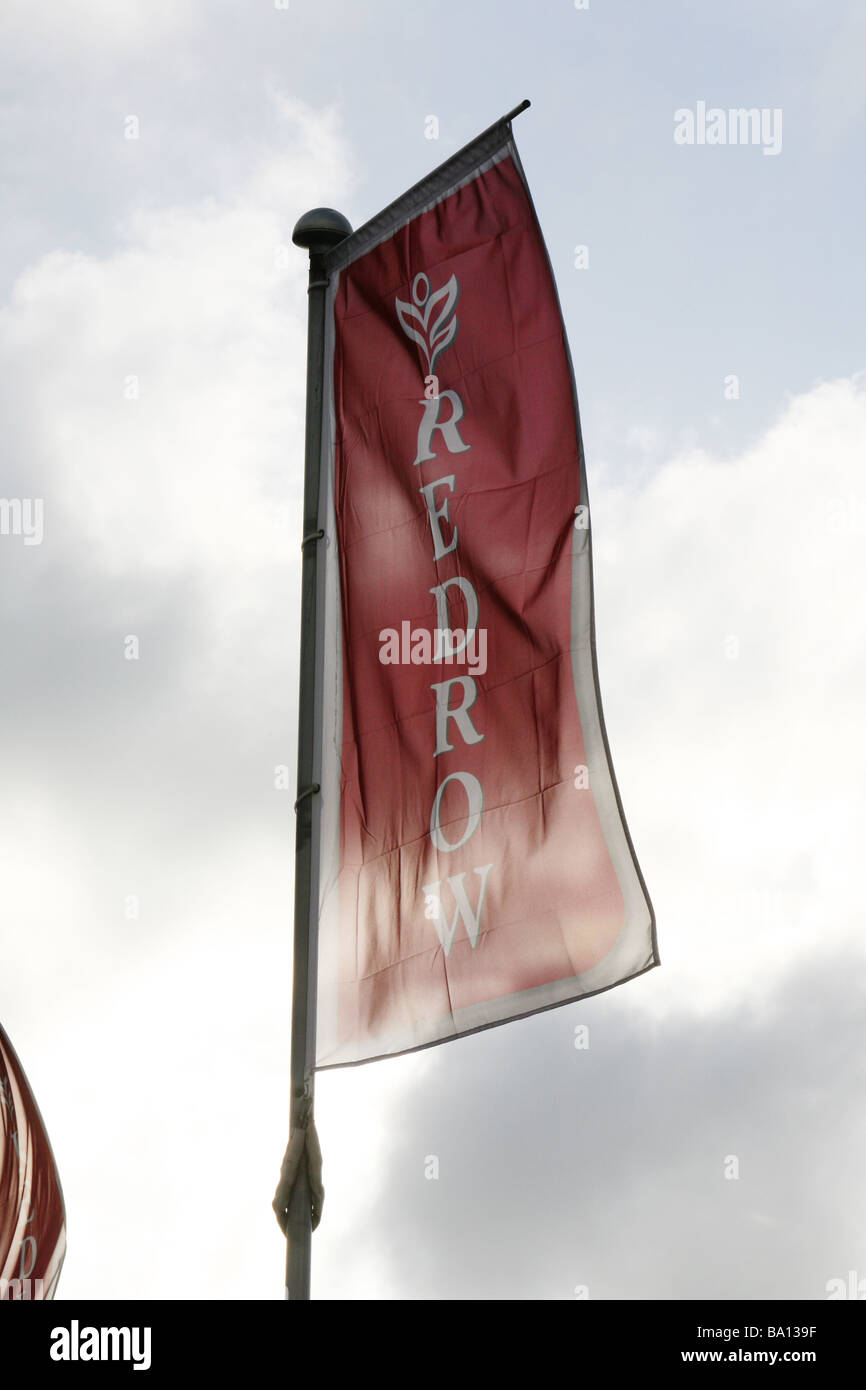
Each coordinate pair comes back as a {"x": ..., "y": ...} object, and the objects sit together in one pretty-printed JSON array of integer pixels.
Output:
[{"x": 434, "y": 332}]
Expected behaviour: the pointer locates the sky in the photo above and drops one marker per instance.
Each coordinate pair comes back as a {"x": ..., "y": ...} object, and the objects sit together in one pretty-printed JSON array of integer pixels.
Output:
[{"x": 709, "y": 1141}]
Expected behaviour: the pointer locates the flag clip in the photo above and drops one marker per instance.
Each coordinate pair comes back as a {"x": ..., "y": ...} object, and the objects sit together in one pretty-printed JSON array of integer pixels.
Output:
[{"x": 308, "y": 791}]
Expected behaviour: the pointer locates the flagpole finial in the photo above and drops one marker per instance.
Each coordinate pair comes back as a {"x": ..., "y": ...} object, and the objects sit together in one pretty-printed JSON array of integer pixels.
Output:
[{"x": 320, "y": 229}]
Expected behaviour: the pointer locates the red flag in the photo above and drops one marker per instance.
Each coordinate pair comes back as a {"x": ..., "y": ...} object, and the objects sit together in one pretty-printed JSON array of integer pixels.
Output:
[
  {"x": 474, "y": 862},
  {"x": 32, "y": 1214}
]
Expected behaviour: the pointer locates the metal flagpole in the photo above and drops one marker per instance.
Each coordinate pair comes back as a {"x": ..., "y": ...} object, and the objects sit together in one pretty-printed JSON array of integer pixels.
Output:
[{"x": 317, "y": 231}]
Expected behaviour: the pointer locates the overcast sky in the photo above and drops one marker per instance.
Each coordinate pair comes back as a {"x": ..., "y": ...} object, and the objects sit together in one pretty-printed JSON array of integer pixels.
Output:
[{"x": 709, "y": 1142}]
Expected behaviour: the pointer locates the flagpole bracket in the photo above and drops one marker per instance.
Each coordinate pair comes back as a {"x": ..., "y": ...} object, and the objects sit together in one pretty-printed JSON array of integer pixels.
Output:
[
  {"x": 313, "y": 536},
  {"x": 308, "y": 791}
]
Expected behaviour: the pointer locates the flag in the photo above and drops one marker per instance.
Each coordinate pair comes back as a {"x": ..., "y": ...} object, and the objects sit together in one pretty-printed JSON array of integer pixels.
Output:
[
  {"x": 474, "y": 864},
  {"x": 32, "y": 1214}
]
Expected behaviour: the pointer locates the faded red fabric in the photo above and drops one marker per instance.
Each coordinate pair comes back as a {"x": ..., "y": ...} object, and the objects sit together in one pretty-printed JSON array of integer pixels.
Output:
[
  {"x": 32, "y": 1213},
  {"x": 463, "y": 292}
]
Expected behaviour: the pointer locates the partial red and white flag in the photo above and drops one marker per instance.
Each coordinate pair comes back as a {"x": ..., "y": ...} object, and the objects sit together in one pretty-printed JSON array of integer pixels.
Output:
[
  {"x": 32, "y": 1214},
  {"x": 474, "y": 861}
]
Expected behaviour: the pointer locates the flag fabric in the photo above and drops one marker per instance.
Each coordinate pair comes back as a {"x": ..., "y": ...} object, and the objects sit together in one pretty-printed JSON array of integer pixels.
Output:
[
  {"x": 32, "y": 1214},
  {"x": 474, "y": 864}
]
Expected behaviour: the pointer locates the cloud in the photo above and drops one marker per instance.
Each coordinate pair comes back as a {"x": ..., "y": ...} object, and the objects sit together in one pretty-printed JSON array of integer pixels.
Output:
[
  {"x": 686, "y": 1158},
  {"x": 154, "y": 398},
  {"x": 725, "y": 602},
  {"x": 93, "y": 30}
]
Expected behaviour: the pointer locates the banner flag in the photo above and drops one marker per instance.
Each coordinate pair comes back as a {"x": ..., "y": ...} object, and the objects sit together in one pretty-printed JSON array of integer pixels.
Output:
[
  {"x": 474, "y": 865},
  {"x": 32, "y": 1214}
]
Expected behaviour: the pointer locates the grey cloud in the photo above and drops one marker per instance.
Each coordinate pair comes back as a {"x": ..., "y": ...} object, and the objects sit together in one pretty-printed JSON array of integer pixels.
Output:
[{"x": 605, "y": 1167}]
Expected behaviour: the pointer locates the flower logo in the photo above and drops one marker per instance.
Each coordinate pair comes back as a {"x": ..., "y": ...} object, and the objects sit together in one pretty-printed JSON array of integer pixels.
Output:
[{"x": 433, "y": 331}]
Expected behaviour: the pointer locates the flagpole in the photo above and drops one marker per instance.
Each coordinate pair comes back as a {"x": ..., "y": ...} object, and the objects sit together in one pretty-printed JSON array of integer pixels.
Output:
[{"x": 317, "y": 231}]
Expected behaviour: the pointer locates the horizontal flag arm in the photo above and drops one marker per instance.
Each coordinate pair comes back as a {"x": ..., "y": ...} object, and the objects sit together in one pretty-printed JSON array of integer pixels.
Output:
[{"x": 413, "y": 201}]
